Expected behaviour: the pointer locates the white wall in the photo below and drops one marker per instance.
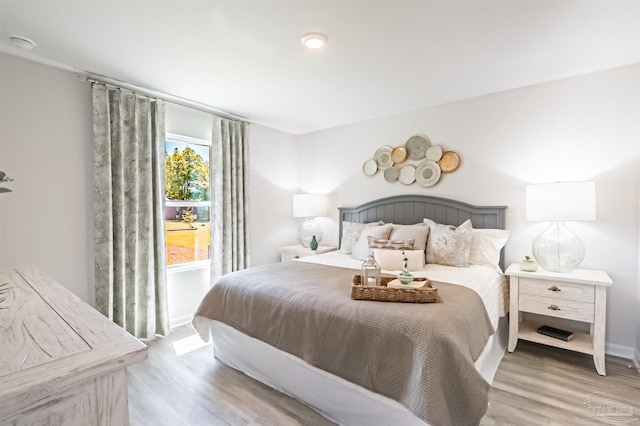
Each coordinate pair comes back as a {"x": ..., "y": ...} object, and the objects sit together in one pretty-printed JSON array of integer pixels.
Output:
[
  {"x": 583, "y": 128},
  {"x": 46, "y": 146}
]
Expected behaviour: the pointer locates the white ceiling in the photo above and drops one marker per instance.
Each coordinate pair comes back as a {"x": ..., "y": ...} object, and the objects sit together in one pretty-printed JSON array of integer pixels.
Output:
[{"x": 382, "y": 58}]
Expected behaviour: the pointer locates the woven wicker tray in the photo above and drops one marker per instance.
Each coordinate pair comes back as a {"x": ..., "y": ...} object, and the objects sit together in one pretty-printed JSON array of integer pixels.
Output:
[{"x": 382, "y": 293}]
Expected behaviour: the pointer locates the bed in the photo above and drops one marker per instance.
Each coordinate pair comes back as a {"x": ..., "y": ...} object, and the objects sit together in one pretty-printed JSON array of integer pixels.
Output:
[{"x": 294, "y": 327}]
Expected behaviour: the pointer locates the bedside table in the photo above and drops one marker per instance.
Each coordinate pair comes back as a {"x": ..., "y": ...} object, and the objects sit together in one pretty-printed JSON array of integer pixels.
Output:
[
  {"x": 297, "y": 251},
  {"x": 579, "y": 295}
]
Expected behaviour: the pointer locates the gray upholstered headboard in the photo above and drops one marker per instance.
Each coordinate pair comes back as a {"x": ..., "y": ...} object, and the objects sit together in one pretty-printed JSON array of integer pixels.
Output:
[{"x": 410, "y": 209}]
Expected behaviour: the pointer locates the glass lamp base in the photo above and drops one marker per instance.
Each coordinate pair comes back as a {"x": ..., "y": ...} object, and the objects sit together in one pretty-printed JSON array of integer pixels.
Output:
[
  {"x": 308, "y": 230},
  {"x": 558, "y": 249}
]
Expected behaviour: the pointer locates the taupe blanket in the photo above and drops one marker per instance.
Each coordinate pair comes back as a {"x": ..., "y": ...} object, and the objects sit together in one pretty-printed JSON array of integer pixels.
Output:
[{"x": 421, "y": 355}]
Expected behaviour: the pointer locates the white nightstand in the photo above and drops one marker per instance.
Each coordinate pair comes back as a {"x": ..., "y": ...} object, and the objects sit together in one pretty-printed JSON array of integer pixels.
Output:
[
  {"x": 297, "y": 251},
  {"x": 579, "y": 295}
]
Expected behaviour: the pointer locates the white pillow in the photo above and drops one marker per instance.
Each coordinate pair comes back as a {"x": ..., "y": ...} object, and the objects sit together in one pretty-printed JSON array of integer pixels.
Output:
[
  {"x": 351, "y": 232},
  {"x": 361, "y": 248},
  {"x": 486, "y": 245},
  {"x": 448, "y": 245},
  {"x": 418, "y": 232},
  {"x": 393, "y": 260}
]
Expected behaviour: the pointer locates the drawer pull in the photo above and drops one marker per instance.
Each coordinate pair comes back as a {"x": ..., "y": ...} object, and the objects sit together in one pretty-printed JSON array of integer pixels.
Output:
[
  {"x": 554, "y": 288},
  {"x": 553, "y": 307}
]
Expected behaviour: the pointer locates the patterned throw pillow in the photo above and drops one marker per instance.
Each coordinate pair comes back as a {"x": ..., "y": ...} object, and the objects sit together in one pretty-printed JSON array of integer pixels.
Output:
[
  {"x": 351, "y": 232},
  {"x": 384, "y": 243},
  {"x": 448, "y": 245}
]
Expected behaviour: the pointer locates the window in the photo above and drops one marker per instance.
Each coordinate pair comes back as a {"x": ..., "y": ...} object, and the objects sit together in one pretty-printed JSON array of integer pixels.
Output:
[{"x": 188, "y": 199}]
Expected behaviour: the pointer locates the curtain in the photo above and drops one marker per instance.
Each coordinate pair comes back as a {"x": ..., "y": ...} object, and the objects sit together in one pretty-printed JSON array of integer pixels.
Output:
[
  {"x": 230, "y": 197},
  {"x": 131, "y": 284}
]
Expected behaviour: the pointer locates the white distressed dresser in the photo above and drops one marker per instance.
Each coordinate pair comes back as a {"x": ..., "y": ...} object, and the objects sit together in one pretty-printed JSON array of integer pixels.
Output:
[{"x": 61, "y": 361}]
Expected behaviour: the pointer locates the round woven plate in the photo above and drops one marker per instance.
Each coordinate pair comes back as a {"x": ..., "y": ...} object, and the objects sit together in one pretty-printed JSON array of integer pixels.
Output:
[
  {"x": 417, "y": 146},
  {"x": 428, "y": 173},
  {"x": 407, "y": 174},
  {"x": 399, "y": 154},
  {"x": 449, "y": 161},
  {"x": 370, "y": 167},
  {"x": 383, "y": 157},
  {"x": 391, "y": 174},
  {"x": 434, "y": 153}
]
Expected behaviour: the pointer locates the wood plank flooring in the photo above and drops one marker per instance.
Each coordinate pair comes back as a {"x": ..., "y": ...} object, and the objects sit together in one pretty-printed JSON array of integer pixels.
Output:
[{"x": 535, "y": 385}]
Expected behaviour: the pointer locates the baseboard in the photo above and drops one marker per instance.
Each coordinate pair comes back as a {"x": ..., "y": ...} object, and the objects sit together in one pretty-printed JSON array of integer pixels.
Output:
[
  {"x": 620, "y": 351},
  {"x": 177, "y": 322},
  {"x": 636, "y": 358}
]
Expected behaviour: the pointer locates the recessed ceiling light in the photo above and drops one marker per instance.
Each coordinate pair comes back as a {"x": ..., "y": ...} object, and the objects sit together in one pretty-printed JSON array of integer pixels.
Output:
[
  {"x": 22, "y": 43},
  {"x": 314, "y": 40}
]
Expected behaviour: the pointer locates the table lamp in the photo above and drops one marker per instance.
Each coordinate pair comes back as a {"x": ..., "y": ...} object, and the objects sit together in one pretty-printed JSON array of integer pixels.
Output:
[
  {"x": 558, "y": 249},
  {"x": 309, "y": 206}
]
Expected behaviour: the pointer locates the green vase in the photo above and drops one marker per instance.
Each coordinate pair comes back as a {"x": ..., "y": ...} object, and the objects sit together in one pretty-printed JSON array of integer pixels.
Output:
[{"x": 314, "y": 243}]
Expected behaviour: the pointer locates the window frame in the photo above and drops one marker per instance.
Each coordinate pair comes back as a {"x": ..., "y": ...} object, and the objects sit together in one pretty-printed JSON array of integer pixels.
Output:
[{"x": 196, "y": 264}]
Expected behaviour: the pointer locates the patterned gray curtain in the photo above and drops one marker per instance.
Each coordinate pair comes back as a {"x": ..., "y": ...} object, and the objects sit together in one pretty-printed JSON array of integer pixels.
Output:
[
  {"x": 131, "y": 286},
  {"x": 230, "y": 196}
]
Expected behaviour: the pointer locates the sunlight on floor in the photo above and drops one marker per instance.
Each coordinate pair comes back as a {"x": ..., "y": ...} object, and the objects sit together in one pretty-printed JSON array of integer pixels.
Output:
[{"x": 188, "y": 344}]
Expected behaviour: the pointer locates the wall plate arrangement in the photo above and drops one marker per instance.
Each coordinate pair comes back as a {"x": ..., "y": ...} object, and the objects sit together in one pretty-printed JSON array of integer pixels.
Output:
[{"x": 418, "y": 160}]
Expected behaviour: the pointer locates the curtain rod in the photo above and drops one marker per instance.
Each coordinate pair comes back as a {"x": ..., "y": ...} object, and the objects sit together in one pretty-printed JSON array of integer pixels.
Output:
[{"x": 97, "y": 78}]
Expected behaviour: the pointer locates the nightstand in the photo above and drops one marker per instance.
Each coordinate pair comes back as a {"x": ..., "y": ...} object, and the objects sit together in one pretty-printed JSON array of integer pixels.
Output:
[
  {"x": 297, "y": 251},
  {"x": 579, "y": 295}
]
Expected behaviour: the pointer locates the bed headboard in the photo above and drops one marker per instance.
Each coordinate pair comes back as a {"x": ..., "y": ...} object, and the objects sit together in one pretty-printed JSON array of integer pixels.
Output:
[{"x": 411, "y": 209}]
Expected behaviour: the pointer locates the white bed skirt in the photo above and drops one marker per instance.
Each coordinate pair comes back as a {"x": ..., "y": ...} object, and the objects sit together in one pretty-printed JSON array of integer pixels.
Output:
[{"x": 337, "y": 399}]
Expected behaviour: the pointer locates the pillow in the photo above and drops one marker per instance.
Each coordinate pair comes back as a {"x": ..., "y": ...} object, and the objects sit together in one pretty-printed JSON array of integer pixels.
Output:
[
  {"x": 390, "y": 244},
  {"x": 351, "y": 232},
  {"x": 418, "y": 232},
  {"x": 361, "y": 248},
  {"x": 448, "y": 245},
  {"x": 486, "y": 245},
  {"x": 393, "y": 260}
]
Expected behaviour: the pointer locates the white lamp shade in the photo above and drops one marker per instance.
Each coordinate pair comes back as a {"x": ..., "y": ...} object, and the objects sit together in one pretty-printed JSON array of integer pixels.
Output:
[
  {"x": 561, "y": 201},
  {"x": 309, "y": 205}
]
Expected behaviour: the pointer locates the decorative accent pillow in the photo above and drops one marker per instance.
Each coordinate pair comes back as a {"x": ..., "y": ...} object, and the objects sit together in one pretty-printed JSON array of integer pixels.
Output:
[
  {"x": 351, "y": 232},
  {"x": 448, "y": 245},
  {"x": 361, "y": 248},
  {"x": 486, "y": 245},
  {"x": 418, "y": 232},
  {"x": 390, "y": 244},
  {"x": 393, "y": 260}
]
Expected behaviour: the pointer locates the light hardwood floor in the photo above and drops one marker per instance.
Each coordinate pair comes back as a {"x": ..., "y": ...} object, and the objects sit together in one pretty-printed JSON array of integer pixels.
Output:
[{"x": 535, "y": 385}]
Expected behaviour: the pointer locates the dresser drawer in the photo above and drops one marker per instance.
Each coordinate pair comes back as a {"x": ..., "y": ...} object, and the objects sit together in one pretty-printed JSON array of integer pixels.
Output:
[
  {"x": 559, "y": 308},
  {"x": 557, "y": 290}
]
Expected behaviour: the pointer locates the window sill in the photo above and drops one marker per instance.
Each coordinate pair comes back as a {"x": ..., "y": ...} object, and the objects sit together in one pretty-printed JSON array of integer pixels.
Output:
[{"x": 191, "y": 266}]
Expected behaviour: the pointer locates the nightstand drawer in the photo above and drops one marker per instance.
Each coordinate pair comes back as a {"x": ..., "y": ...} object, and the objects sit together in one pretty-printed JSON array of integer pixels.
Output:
[
  {"x": 558, "y": 290},
  {"x": 287, "y": 255},
  {"x": 555, "y": 307}
]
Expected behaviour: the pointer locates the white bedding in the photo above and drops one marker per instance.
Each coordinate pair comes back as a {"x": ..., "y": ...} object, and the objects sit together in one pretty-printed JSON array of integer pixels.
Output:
[{"x": 336, "y": 398}]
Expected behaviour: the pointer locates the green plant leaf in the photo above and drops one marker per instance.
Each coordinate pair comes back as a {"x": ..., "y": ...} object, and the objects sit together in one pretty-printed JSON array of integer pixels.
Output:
[
  {"x": 2, "y": 175},
  {"x": 5, "y": 190}
]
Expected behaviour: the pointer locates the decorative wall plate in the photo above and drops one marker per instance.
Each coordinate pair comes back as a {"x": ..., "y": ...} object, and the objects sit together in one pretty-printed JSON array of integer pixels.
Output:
[
  {"x": 370, "y": 167},
  {"x": 383, "y": 157},
  {"x": 449, "y": 161},
  {"x": 428, "y": 173},
  {"x": 434, "y": 153},
  {"x": 391, "y": 174},
  {"x": 417, "y": 146},
  {"x": 399, "y": 154},
  {"x": 407, "y": 174}
]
